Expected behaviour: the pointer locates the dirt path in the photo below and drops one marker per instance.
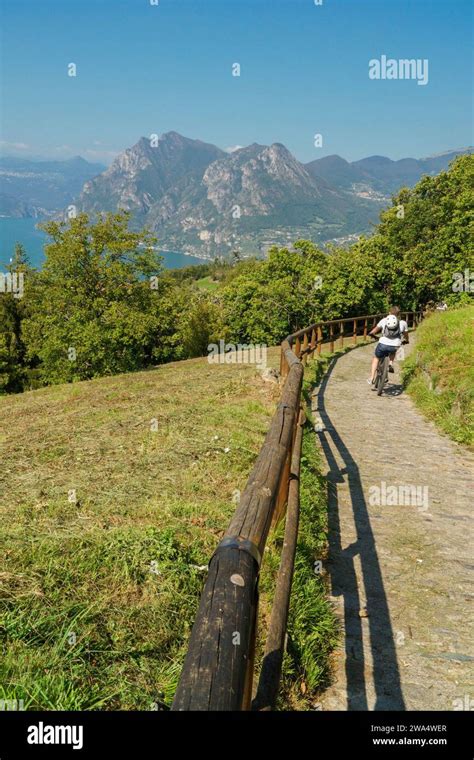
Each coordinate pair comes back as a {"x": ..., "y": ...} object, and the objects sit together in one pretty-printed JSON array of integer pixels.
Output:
[{"x": 399, "y": 560}]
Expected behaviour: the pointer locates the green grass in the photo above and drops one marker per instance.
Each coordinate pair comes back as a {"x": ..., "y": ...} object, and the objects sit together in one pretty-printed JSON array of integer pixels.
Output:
[
  {"x": 312, "y": 629},
  {"x": 98, "y": 595},
  {"x": 312, "y": 626},
  {"x": 208, "y": 284},
  {"x": 439, "y": 375}
]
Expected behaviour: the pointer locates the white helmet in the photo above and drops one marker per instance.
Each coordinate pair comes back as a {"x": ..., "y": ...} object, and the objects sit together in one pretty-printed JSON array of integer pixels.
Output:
[{"x": 392, "y": 321}]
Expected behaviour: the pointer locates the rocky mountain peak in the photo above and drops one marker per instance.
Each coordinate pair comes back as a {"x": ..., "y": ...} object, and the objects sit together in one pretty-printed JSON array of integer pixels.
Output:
[{"x": 198, "y": 198}]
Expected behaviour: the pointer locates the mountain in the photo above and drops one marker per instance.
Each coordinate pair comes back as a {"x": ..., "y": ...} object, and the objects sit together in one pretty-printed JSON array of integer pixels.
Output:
[
  {"x": 142, "y": 174},
  {"x": 336, "y": 171},
  {"x": 378, "y": 176},
  {"x": 199, "y": 199},
  {"x": 41, "y": 188},
  {"x": 12, "y": 207}
]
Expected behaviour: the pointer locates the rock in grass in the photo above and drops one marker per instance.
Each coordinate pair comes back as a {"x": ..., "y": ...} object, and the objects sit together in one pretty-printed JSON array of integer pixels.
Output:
[{"x": 270, "y": 375}]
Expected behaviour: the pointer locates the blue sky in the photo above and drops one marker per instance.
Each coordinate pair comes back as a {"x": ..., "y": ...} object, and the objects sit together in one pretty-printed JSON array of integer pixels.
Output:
[{"x": 144, "y": 69}]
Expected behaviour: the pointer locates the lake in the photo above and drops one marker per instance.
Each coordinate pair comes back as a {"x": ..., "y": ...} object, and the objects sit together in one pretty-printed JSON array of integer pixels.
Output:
[{"x": 24, "y": 231}]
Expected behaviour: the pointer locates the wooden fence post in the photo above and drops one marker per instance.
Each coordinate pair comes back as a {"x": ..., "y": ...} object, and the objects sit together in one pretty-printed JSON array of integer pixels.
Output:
[
  {"x": 267, "y": 691},
  {"x": 305, "y": 347},
  {"x": 283, "y": 367}
]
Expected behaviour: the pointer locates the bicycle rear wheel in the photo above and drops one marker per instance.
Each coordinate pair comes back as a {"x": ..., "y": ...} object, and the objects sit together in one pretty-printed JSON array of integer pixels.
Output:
[
  {"x": 378, "y": 372},
  {"x": 382, "y": 375}
]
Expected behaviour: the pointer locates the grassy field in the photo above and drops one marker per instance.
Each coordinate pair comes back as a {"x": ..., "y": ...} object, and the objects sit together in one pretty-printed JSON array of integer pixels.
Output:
[
  {"x": 113, "y": 495},
  {"x": 208, "y": 284},
  {"x": 439, "y": 375}
]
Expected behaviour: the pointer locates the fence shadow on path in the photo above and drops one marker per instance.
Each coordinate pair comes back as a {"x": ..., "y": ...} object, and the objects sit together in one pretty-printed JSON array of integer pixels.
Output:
[{"x": 384, "y": 672}]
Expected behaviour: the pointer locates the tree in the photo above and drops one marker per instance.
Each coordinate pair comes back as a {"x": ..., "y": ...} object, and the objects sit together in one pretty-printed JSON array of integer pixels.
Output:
[
  {"x": 427, "y": 236},
  {"x": 93, "y": 309},
  {"x": 200, "y": 324},
  {"x": 13, "y": 309},
  {"x": 275, "y": 297}
]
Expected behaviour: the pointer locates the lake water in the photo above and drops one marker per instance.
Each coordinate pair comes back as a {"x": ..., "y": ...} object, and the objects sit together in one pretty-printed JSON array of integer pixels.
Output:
[{"x": 24, "y": 231}]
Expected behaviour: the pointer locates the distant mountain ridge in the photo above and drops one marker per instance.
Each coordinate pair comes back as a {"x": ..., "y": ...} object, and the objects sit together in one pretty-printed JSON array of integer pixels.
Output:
[
  {"x": 380, "y": 173},
  {"x": 41, "y": 188},
  {"x": 202, "y": 200}
]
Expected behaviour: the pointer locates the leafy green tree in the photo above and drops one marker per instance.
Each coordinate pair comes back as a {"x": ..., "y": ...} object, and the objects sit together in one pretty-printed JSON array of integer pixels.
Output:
[
  {"x": 93, "y": 308},
  {"x": 354, "y": 283},
  {"x": 200, "y": 324},
  {"x": 276, "y": 296},
  {"x": 4, "y": 364},
  {"x": 169, "y": 309},
  {"x": 13, "y": 309},
  {"x": 427, "y": 237}
]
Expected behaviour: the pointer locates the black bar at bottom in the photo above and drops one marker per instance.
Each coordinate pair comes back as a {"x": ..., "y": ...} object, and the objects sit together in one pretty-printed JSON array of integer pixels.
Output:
[{"x": 154, "y": 734}]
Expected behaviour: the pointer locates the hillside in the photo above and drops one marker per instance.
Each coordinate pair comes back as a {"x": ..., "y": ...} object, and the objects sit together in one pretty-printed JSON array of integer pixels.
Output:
[
  {"x": 202, "y": 200},
  {"x": 143, "y": 497},
  {"x": 379, "y": 175},
  {"x": 144, "y": 173},
  {"x": 98, "y": 595},
  {"x": 440, "y": 374}
]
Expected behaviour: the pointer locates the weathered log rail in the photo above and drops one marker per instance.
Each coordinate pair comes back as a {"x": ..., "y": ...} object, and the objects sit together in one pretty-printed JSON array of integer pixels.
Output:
[{"x": 218, "y": 669}]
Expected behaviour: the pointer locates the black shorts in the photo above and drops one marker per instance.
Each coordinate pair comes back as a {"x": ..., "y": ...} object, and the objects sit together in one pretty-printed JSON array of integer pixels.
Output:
[{"x": 382, "y": 350}]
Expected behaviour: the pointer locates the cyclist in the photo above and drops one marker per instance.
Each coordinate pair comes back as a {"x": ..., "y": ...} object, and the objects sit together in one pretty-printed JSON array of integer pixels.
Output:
[{"x": 393, "y": 331}]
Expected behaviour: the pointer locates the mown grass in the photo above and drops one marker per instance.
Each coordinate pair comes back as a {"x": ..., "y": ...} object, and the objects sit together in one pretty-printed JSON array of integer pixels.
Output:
[
  {"x": 114, "y": 494},
  {"x": 98, "y": 594},
  {"x": 208, "y": 284},
  {"x": 439, "y": 375}
]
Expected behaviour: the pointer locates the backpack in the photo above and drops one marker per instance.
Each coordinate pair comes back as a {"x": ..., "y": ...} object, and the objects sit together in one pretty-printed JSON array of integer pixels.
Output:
[{"x": 392, "y": 332}]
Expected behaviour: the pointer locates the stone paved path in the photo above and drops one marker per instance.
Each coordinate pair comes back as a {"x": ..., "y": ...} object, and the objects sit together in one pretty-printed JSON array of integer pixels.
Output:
[{"x": 399, "y": 572}]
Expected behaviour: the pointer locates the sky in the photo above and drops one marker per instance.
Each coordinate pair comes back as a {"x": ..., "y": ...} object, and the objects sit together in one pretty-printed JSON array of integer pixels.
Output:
[{"x": 144, "y": 68}]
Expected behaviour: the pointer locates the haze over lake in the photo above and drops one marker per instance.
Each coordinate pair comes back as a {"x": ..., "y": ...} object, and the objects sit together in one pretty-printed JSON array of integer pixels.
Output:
[{"x": 24, "y": 231}]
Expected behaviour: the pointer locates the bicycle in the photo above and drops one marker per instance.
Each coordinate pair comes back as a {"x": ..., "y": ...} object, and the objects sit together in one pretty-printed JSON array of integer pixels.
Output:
[{"x": 381, "y": 374}]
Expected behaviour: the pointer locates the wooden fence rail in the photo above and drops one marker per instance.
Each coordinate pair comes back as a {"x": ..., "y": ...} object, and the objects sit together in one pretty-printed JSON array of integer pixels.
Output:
[{"x": 218, "y": 669}]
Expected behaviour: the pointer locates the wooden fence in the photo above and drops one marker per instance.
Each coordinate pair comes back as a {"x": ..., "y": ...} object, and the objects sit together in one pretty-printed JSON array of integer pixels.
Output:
[{"x": 218, "y": 669}]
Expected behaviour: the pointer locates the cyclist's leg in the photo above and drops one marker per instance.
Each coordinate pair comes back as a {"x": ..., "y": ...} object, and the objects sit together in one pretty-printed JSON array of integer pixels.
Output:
[
  {"x": 375, "y": 361},
  {"x": 373, "y": 368},
  {"x": 379, "y": 353}
]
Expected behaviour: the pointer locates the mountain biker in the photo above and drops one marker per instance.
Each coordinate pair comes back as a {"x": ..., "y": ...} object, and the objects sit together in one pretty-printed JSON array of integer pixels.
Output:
[{"x": 394, "y": 330}]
